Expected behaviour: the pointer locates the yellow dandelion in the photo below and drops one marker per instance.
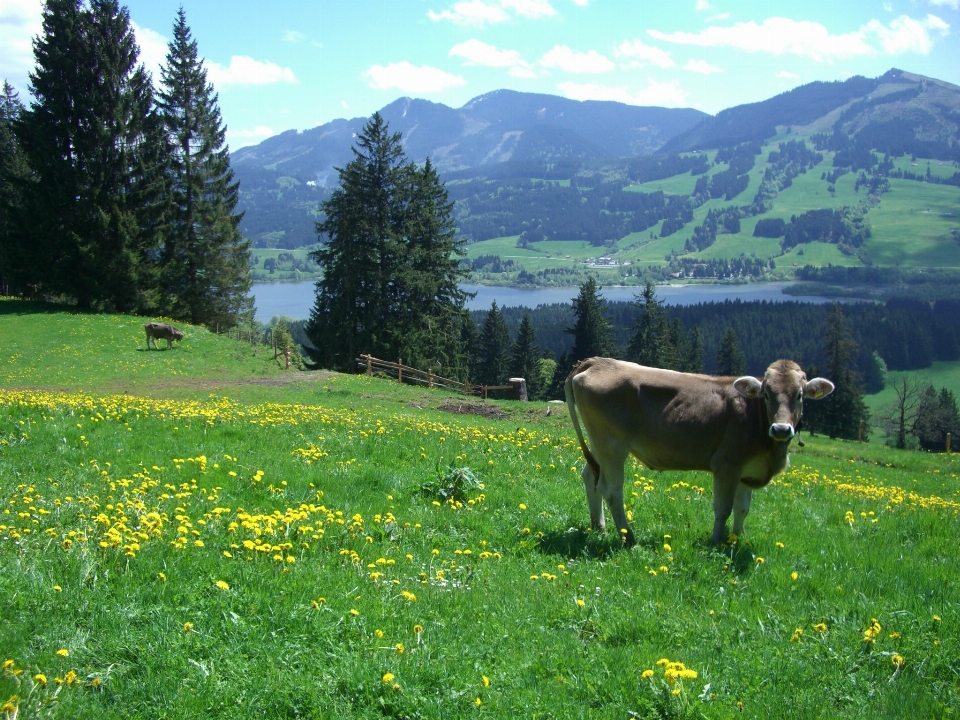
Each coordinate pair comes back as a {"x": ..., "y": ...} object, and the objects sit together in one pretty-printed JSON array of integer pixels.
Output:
[
  {"x": 162, "y": 576},
  {"x": 580, "y": 602},
  {"x": 57, "y": 588},
  {"x": 478, "y": 702},
  {"x": 187, "y": 627},
  {"x": 485, "y": 680},
  {"x": 667, "y": 548},
  {"x": 646, "y": 674},
  {"x": 417, "y": 629},
  {"x": 40, "y": 679},
  {"x": 221, "y": 585},
  {"x": 760, "y": 561},
  {"x": 63, "y": 652},
  {"x": 794, "y": 576},
  {"x": 7, "y": 664},
  {"x": 354, "y": 612},
  {"x": 388, "y": 677},
  {"x": 897, "y": 660}
]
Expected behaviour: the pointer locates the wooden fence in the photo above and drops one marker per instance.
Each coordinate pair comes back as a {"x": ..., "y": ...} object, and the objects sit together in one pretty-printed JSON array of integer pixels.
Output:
[{"x": 404, "y": 373}]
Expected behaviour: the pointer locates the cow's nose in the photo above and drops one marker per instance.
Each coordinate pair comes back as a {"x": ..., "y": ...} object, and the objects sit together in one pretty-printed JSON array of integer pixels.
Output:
[{"x": 782, "y": 431}]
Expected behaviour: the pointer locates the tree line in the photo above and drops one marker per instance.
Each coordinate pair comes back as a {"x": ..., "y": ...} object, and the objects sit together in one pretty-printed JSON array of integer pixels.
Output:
[{"x": 116, "y": 195}]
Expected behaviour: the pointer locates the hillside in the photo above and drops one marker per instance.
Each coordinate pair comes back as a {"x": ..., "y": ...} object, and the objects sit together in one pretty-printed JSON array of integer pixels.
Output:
[{"x": 407, "y": 553}]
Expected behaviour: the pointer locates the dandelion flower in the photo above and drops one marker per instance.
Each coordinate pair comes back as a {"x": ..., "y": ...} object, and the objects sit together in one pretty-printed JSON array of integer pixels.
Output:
[
  {"x": 187, "y": 627},
  {"x": 40, "y": 679},
  {"x": 646, "y": 674},
  {"x": 7, "y": 664},
  {"x": 57, "y": 588},
  {"x": 221, "y": 585},
  {"x": 388, "y": 677},
  {"x": 63, "y": 652},
  {"x": 417, "y": 629},
  {"x": 580, "y": 602},
  {"x": 794, "y": 576},
  {"x": 897, "y": 660},
  {"x": 478, "y": 702},
  {"x": 400, "y": 648}
]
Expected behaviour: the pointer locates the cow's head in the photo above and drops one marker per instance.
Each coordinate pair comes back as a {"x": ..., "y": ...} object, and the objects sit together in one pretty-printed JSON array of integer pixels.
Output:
[
  {"x": 783, "y": 389},
  {"x": 177, "y": 334}
]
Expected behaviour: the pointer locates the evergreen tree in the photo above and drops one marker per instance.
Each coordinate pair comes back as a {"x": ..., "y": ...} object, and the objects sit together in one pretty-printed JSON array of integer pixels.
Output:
[
  {"x": 565, "y": 364},
  {"x": 592, "y": 331},
  {"x": 692, "y": 355},
  {"x": 205, "y": 262},
  {"x": 493, "y": 361},
  {"x": 525, "y": 362},
  {"x": 391, "y": 271},
  {"x": 95, "y": 147},
  {"x": 937, "y": 415},
  {"x": 652, "y": 342},
  {"x": 730, "y": 357},
  {"x": 13, "y": 173},
  {"x": 844, "y": 411}
]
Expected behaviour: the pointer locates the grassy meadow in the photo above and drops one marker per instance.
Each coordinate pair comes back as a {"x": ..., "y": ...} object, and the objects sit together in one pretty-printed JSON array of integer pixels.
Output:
[{"x": 195, "y": 532}]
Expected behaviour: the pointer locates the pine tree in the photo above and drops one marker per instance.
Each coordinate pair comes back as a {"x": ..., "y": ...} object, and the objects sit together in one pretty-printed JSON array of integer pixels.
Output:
[
  {"x": 592, "y": 331},
  {"x": 730, "y": 357},
  {"x": 94, "y": 145},
  {"x": 844, "y": 412},
  {"x": 652, "y": 342},
  {"x": 13, "y": 174},
  {"x": 205, "y": 262},
  {"x": 525, "y": 362},
  {"x": 493, "y": 360},
  {"x": 391, "y": 270},
  {"x": 691, "y": 352}
]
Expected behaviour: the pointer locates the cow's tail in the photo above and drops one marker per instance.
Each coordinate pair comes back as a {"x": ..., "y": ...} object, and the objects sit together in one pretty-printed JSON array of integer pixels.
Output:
[{"x": 572, "y": 406}]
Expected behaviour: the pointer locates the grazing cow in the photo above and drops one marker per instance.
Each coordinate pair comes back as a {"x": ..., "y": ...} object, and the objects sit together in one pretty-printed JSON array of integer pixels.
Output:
[
  {"x": 163, "y": 331},
  {"x": 737, "y": 428}
]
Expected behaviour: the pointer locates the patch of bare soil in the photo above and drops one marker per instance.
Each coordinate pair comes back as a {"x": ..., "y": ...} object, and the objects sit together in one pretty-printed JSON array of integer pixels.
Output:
[{"x": 488, "y": 411}]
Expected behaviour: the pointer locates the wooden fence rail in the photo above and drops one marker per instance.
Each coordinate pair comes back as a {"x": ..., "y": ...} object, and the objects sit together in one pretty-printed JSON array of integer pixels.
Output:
[{"x": 404, "y": 373}]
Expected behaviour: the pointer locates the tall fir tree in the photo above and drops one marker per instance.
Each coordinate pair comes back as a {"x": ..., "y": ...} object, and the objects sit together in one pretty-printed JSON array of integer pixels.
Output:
[
  {"x": 13, "y": 174},
  {"x": 493, "y": 360},
  {"x": 205, "y": 263},
  {"x": 592, "y": 331},
  {"x": 525, "y": 362},
  {"x": 652, "y": 341},
  {"x": 730, "y": 357},
  {"x": 94, "y": 144},
  {"x": 390, "y": 263},
  {"x": 692, "y": 354},
  {"x": 844, "y": 413}
]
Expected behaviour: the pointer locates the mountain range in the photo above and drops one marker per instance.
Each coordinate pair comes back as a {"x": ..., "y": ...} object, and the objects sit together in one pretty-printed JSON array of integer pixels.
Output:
[{"x": 504, "y": 135}]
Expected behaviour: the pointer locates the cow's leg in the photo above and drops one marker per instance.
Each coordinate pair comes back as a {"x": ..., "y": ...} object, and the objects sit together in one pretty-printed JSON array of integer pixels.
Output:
[
  {"x": 594, "y": 498},
  {"x": 611, "y": 486},
  {"x": 741, "y": 506},
  {"x": 724, "y": 493}
]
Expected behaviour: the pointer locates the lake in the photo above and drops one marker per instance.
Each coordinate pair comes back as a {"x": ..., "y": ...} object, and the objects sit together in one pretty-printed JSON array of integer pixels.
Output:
[{"x": 295, "y": 299}]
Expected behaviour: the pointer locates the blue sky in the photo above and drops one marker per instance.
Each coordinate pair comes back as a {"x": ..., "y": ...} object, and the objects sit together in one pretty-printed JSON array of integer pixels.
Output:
[{"x": 296, "y": 63}]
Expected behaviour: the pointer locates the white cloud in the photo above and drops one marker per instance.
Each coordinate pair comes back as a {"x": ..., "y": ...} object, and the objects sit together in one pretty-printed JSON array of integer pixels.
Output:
[
  {"x": 20, "y": 21},
  {"x": 779, "y": 36},
  {"x": 343, "y": 104},
  {"x": 153, "y": 49},
  {"x": 482, "y": 12},
  {"x": 530, "y": 8},
  {"x": 659, "y": 94},
  {"x": 702, "y": 5},
  {"x": 477, "y": 52},
  {"x": 788, "y": 75},
  {"x": 581, "y": 3},
  {"x": 244, "y": 70},
  {"x": 293, "y": 36},
  {"x": 410, "y": 78},
  {"x": 888, "y": 6},
  {"x": 702, "y": 67},
  {"x": 471, "y": 12},
  {"x": 639, "y": 54},
  {"x": 563, "y": 58},
  {"x": 249, "y": 137},
  {"x": 521, "y": 72},
  {"x": 955, "y": 4}
]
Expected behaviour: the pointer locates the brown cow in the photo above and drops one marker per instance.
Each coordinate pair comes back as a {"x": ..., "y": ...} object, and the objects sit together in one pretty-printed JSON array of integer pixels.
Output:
[
  {"x": 737, "y": 428},
  {"x": 163, "y": 331}
]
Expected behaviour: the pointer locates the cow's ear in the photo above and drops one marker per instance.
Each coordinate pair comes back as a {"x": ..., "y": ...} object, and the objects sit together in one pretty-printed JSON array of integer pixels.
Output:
[
  {"x": 817, "y": 388},
  {"x": 748, "y": 386}
]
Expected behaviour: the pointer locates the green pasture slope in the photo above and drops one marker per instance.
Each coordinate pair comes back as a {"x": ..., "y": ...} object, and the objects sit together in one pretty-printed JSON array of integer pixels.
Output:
[{"x": 194, "y": 533}]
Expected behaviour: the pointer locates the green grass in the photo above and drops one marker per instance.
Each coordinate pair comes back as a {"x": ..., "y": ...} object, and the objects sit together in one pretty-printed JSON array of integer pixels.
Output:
[
  {"x": 203, "y": 547},
  {"x": 910, "y": 229}
]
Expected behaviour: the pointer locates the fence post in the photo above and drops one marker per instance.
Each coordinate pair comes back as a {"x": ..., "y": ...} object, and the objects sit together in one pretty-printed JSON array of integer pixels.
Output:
[
  {"x": 519, "y": 388},
  {"x": 369, "y": 367},
  {"x": 429, "y": 378},
  {"x": 860, "y": 433},
  {"x": 400, "y": 370},
  {"x": 948, "y": 443}
]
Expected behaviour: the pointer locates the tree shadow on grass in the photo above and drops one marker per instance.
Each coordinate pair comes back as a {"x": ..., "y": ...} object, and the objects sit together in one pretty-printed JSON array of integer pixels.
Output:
[
  {"x": 37, "y": 307},
  {"x": 741, "y": 555}
]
